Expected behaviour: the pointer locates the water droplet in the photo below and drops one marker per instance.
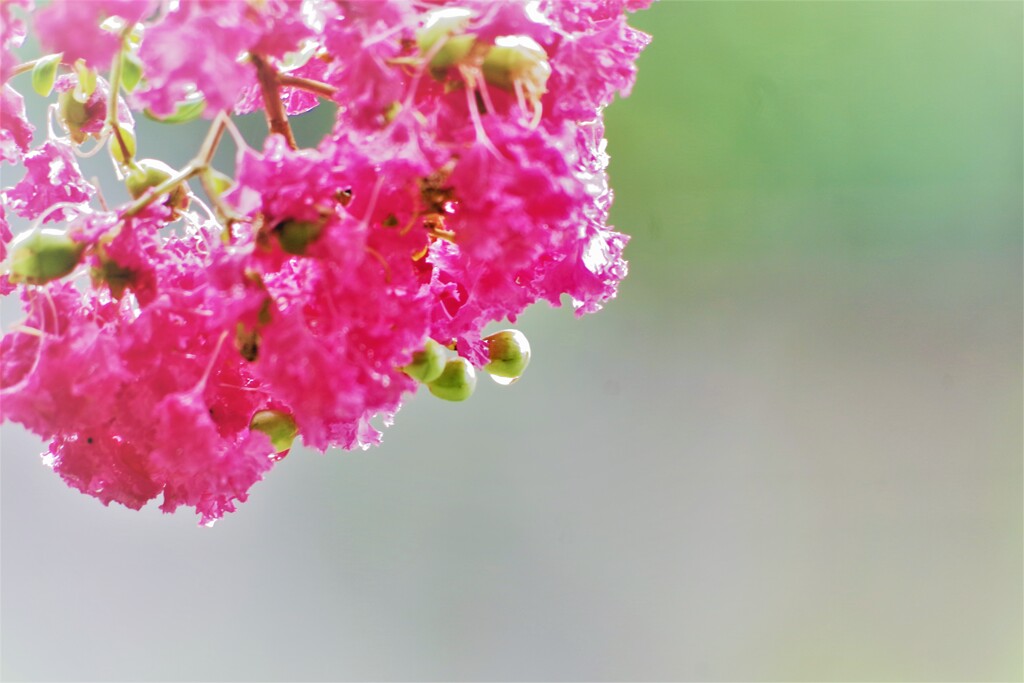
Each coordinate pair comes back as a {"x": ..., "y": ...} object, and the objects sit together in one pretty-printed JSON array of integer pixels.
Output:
[{"x": 504, "y": 381}]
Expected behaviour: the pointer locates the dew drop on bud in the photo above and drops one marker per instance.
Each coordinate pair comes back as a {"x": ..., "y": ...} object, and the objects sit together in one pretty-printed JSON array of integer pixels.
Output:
[
  {"x": 279, "y": 426},
  {"x": 509, "y": 351},
  {"x": 456, "y": 382}
]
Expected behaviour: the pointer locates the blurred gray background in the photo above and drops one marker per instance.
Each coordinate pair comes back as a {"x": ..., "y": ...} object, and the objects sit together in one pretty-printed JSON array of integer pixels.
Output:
[{"x": 790, "y": 450}]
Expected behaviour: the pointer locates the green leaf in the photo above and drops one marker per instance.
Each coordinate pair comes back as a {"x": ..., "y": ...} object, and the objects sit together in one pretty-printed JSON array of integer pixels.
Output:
[
  {"x": 185, "y": 112},
  {"x": 45, "y": 73},
  {"x": 131, "y": 71}
]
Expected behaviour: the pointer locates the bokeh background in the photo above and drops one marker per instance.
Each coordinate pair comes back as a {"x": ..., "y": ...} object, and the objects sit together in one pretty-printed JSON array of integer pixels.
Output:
[{"x": 790, "y": 450}]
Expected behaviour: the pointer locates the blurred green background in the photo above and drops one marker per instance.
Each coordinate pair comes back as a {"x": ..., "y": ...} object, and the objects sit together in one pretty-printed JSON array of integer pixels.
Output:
[{"x": 790, "y": 450}]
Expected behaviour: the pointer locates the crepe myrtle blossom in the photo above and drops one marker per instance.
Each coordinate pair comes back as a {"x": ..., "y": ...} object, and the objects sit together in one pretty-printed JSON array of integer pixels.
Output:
[{"x": 175, "y": 345}]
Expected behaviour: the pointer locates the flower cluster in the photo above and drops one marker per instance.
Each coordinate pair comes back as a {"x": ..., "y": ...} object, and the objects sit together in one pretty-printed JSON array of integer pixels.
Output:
[{"x": 175, "y": 345}]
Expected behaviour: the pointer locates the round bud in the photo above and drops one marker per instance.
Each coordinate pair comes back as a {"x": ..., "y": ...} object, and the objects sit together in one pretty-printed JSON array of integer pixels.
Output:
[
  {"x": 509, "y": 351},
  {"x": 150, "y": 173},
  {"x": 73, "y": 114},
  {"x": 295, "y": 236},
  {"x": 279, "y": 426},
  {"x": 517, "y": 59},
  {"x": 427, "y": 365},
  {"x": 44, "y": 255},
  {"x": 145, "y": 174},
  {"x": 441, "y": 24},
  {"x": 454, "y": 50},
  {"x": 456, "y": 382},
  {"x": 445, "y": 25}
]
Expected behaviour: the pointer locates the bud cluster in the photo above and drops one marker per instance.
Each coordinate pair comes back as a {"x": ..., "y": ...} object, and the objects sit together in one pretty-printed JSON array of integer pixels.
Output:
[{"x": 221, "y": 317}]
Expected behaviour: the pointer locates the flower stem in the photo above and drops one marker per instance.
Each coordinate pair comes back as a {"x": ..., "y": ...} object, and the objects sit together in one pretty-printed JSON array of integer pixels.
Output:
[
  {"x": 115, "y": 92},
  {"x": 270, "y": 86},
  {"x": 212, "y": 140}
]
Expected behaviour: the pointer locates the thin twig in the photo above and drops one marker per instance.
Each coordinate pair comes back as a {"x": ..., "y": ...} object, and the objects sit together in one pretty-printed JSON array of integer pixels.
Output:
[
  {"x": 317, "y": 87},
  {"x": 112, "y": 121},
  {"x": 270, "y": 87},
  {"x": 192, "y": 169}
]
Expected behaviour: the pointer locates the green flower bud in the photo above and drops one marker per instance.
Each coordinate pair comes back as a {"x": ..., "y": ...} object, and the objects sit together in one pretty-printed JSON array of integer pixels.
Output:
[
  {"x": 295, "y": 236},
  {"x": 442, "y": 24},
  {"x": 44, "y": 255},
  {"x": 279, "y": 426},
  {"x": 73, "y": 114},
  {"x": 517, "y": 59},
  {"x": 446, "y": 25},
  {"x": 456, "y": 382},
  {"x": 427, "y": 365},
  {"x": 150, "y": 173},
  {"x": 509, "y": 352},
  {"x": 146, "y": 173}
]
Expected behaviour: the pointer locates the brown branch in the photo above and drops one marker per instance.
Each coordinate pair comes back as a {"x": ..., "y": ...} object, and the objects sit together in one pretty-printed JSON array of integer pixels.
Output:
[
  {"x": 270, "y": 86},
  {"x": 317, "y": 87},
  {"x": 25, "y": 67}
]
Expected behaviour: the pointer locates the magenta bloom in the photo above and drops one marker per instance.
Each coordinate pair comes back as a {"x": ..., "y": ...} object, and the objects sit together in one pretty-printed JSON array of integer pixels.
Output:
[
  {"x": 74, "y": 28},
  {"x": 15, "y": 130},
  {"x": 52, "y": 177},
  {"x": 12, "y": 34},
  {"x": 198, "y": 47},
  {"x": 175, "y": 346}
]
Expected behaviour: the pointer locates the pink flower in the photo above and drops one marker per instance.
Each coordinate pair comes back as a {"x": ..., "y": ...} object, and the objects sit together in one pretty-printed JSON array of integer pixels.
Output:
[
  {"x": 52, "y": 176},
  {"x": 296, "y": 101},
  {"x": 94, "y": 110},
  {"x": 350, "y": 309},
  {"x": 5, "y": 237},
  {"x": 449, "y": 195},
  {"x": 199, "y": 46},
  {"x": 591, "y": 65},
  {"x": 282, "y": 28},
  {"x": 12, "y": 34},
  {"x": 195, "y": 465},
  {"x": 139, "y": 404},
  {"x": 73, "y": 27},
  {"x": 15, "y": 130},
  {"x": 362, "y": 40},
  {"x": 65, "y": 374}
]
